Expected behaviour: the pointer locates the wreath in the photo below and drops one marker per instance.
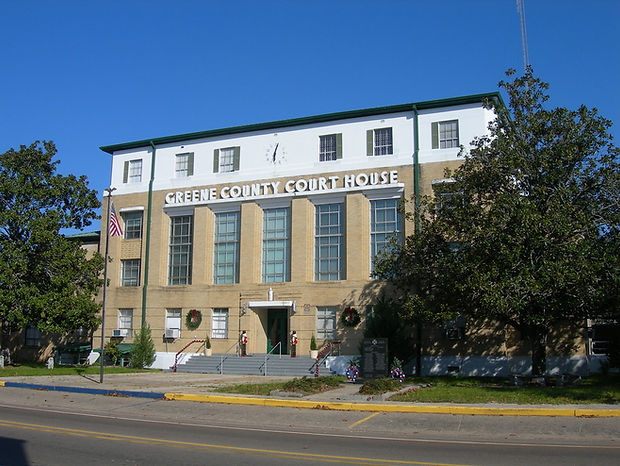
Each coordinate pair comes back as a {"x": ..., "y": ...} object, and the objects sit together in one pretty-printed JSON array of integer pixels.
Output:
[
  {"x": 193, "y": 319},
  {"x": 352, "y": 373},
  {"x": 350, "y": 317}
]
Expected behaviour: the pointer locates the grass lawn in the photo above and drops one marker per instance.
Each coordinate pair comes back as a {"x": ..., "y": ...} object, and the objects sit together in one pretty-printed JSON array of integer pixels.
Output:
[
  {"x": 594, "y": 389},
  {"x": 28, "y": 369}
]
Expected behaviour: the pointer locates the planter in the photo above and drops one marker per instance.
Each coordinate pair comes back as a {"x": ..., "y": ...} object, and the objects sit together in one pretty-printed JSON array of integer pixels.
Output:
[
  {"x": 208, "y": 352},
  {"x": 314, "y": 353}
]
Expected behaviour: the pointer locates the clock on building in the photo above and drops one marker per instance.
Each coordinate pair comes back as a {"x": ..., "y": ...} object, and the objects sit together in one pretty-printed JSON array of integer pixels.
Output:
[{"x": 275, "y": 154}]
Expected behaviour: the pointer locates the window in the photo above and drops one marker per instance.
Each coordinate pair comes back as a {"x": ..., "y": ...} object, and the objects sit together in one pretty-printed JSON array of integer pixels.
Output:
[
  {"x": 180, "y": 251},
  {"x": 604, "y": 337},
  {"x": 184, "y": 165},
  {"x": 219, "y": 323},
  {"x": 133, "y": 225},
  {"x": 173, "y": 323},
  {"x": 33, "y": 336},
  {"x": 226, "y": 248},
  {"x": 132, "y": 171},
  {"x": 130, "y": 272},
  {"x": 385, "y": 224},
  {"x": 445, "y": 134},
  {"x": 226, "y": 160},
  {"x": 447, "y": 195},
  {"x": 125, "y": 319},
  {"x": 379, "y": 141},
  {"x": 330, "y": 147},
  {"x": 326, "y": 322},
  {"x": 276, "y": 245},
  {"x": 329, "y": 242}
]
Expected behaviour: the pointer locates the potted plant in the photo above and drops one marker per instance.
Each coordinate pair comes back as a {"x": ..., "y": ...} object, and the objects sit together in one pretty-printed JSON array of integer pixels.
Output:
[
  {"x": 208, "y": 350},
  {"x": 314, "y": 352}
]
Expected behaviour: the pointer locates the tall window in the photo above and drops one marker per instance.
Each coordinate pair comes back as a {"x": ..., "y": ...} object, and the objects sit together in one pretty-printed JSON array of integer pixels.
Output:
[
  {"x": 219, "y": 323},
  {"x": 226, "y": 248},
  {"x": 132, "y": 172},
  {"x": 385, "y": 224},
  {"x": 125, "y": 319},
  {"x": 330, "y": 147},
  {"x": 329, "y": 242},
  {"x": 326, "y": 322},
  {"x": 130, "y": 272},
  {"x": 133, "y": 225},
  {"x": 184, "y": 165},
  {"x": 379, "y": 141},
  {"x": 445, "y": 134},
  {"x": 33, "y": 336},
  {"x": 276, "y": 245},
  {"x": 180, "y": 251}
]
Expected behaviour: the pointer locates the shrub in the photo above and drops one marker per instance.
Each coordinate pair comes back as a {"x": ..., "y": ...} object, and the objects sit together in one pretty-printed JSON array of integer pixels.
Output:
[
  {"x": 143, "y": 350},
  {"x": 378, "y": 386},
  {"x": 313, "y": 343},
  {"x": 112, "y": 352}
]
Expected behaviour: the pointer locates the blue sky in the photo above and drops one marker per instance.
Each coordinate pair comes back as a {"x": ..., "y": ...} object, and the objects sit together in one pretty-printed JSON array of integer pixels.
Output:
[{"x": 91, "y": 73}]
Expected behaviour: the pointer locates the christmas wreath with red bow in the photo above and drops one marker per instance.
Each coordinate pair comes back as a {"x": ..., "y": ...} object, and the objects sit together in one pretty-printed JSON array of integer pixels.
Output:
[
  {"x": 350, "y": 317},
  {"x": 193, "y": 319}
]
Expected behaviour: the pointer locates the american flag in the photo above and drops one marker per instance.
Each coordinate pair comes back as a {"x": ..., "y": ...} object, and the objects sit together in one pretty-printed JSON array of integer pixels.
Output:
[{"x": 115, "y": 226}]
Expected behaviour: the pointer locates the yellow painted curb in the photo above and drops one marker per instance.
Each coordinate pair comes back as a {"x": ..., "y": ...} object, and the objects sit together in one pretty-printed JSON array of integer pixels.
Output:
[
  {"x": 1, "y": 383},
  {"x": 342, "y": 406}
]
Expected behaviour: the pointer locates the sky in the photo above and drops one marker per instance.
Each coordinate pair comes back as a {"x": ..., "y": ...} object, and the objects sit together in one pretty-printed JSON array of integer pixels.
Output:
[{"x": 85, "y": 74}]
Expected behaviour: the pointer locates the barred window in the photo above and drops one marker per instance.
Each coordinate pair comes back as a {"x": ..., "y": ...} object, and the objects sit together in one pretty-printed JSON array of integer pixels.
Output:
[
  {"x": 328, "y": 148},
  {"x": 226, "y": 248},
  {"x": 385, "y": 224},
  {"x": 326, "y": 322},
  {"x": 125, "y": 319},
  {"x": 276, "y": 245},
  {"x": 133, "y": 225},
  {"x": 383, "y": 141},
  {"x": 184, "y": 165},
  {"x": 219, "y": 323}
]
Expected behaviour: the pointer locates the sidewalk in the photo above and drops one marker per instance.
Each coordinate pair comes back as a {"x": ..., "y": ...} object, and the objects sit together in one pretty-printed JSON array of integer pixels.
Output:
[{"x": 200, "y": 387}]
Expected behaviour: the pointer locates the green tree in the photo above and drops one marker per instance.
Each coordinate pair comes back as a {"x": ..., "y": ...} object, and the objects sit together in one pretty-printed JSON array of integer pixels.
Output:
[
  {"x": 529, "y": 235},
  {"x": 143, "y": 349},
  {"x": 46, "y": 280}
]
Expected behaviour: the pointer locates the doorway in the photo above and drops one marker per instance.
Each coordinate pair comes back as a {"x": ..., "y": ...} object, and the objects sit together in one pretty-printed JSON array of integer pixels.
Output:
[{"x": 277, "y": 320}]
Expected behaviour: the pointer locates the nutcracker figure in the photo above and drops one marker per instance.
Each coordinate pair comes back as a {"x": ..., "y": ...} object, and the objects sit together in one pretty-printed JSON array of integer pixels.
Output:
[
  {"x": 294, "y": 344},
  {"x": 244, "y": 344}
]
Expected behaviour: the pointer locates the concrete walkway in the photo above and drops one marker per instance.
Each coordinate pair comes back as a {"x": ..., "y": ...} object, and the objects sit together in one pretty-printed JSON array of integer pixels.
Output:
[{"x": 201, "y": 388}]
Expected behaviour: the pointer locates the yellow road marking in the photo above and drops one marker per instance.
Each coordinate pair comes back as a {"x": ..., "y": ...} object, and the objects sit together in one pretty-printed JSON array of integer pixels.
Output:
[
  {"x": 207, "y": 446},
  {"x": 363, "y": 420}
]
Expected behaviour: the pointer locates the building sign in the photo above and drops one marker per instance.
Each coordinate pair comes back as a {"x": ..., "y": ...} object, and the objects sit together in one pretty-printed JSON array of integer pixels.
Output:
[{"x": 292, "y": 186}]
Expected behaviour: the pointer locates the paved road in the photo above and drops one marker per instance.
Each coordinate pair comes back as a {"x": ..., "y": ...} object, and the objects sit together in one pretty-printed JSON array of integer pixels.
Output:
[{"x": 38, "y": 427}]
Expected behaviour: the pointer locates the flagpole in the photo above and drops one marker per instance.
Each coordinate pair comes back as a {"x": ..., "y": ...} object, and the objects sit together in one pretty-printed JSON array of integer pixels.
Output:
[{"x": 105, "y": 281}]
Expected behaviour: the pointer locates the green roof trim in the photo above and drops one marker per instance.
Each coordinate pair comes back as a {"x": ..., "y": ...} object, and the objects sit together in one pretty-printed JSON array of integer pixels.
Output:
[
  {"x": 86, "y": 236},
  {"x": 468, "y": 99}
]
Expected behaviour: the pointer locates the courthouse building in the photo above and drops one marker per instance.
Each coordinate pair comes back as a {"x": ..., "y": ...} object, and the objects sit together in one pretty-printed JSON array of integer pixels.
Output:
[{"x": 271, "y": 227}]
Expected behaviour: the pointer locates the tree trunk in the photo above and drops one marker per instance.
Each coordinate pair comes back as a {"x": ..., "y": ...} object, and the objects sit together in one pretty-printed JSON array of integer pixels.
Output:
[
  {"x": 418, "y": 350},
  {"x": 538, "y": 338}
]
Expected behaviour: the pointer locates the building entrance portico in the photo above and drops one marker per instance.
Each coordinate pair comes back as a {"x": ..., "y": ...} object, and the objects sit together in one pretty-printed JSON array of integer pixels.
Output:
[{"x": 277, "y": 320}]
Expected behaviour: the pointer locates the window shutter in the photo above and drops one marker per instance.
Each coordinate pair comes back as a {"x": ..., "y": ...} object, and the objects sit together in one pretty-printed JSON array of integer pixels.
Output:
[
  {"x": 338, "y": 146},
  {"x": 126, "y": 172},
  {"x": 236, "y": 157},
  {"x": 216, "y": 160},
  {"x": 370, "y": 142},
  {"x": 435, "y": 134},
  {"x": 190, "y": 164}
]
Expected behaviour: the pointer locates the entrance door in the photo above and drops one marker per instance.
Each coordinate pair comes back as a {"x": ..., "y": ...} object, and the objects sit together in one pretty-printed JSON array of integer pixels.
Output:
[{"x": 276, "y": 329}]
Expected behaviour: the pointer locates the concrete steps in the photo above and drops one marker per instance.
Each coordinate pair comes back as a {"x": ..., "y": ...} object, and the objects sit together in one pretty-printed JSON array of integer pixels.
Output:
[{"x": 252, "y": 365}]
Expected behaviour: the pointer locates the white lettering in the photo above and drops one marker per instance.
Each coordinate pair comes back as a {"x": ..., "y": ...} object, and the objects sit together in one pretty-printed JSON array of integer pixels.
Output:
[
  {"x": 204, "y": 195},
  {"x": 275, "y": 185},
  {"x": 374, "y": 178},
  {"x": 170, "y": 198},
  {"x": 393, "y": 177},
  {"x": 361, "y": 179},
  {"x": 333, "y": 180},
  {"x": 301, "y": 185},
  {"x": 255, "y": 189},
  {"x": 348, "y": 181},
  {"x": 322, "y": 183},
  {"x": 288, "y": 187},
  {"x": 179, "y": 197},
  {"x": 312, "y": 184},
  {"x": 224, "y": 192},
  {"x": 384, "y": 177}
]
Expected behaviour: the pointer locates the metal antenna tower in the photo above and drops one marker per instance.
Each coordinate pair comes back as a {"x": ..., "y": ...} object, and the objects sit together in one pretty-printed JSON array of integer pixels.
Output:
[{"x": 521, "y": 9}]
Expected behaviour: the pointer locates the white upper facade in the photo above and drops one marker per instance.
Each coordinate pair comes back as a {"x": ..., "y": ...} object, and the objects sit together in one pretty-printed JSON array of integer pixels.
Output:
[{"x": 319, "y": 145}]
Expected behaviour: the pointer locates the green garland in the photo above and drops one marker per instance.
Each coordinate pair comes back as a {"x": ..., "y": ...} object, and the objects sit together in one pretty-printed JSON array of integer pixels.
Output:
[
  {"x": 193, "y": 319},
  {"x": 350, "y": 317}
]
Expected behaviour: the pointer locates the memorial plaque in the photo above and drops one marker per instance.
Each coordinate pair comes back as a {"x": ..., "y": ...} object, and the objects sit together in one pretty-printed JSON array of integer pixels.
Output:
[{"x": 375, "y": 358}]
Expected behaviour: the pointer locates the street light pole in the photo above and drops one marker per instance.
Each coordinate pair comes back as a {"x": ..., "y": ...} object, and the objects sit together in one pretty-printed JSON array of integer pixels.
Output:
[{"x": 105, "y": 281}]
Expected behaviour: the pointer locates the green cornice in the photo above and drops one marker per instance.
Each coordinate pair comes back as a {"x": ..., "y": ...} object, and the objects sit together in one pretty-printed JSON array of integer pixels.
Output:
[
  {"x": 468, "y": 99},
  {"x": 85, "y": 237}
]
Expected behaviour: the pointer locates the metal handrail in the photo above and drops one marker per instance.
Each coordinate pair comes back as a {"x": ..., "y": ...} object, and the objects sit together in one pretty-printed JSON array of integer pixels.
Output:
[
  {"x": 176, "y": 356},
  {"x": 264, "y": 365},
  {"x": 224, "y": 356}
]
